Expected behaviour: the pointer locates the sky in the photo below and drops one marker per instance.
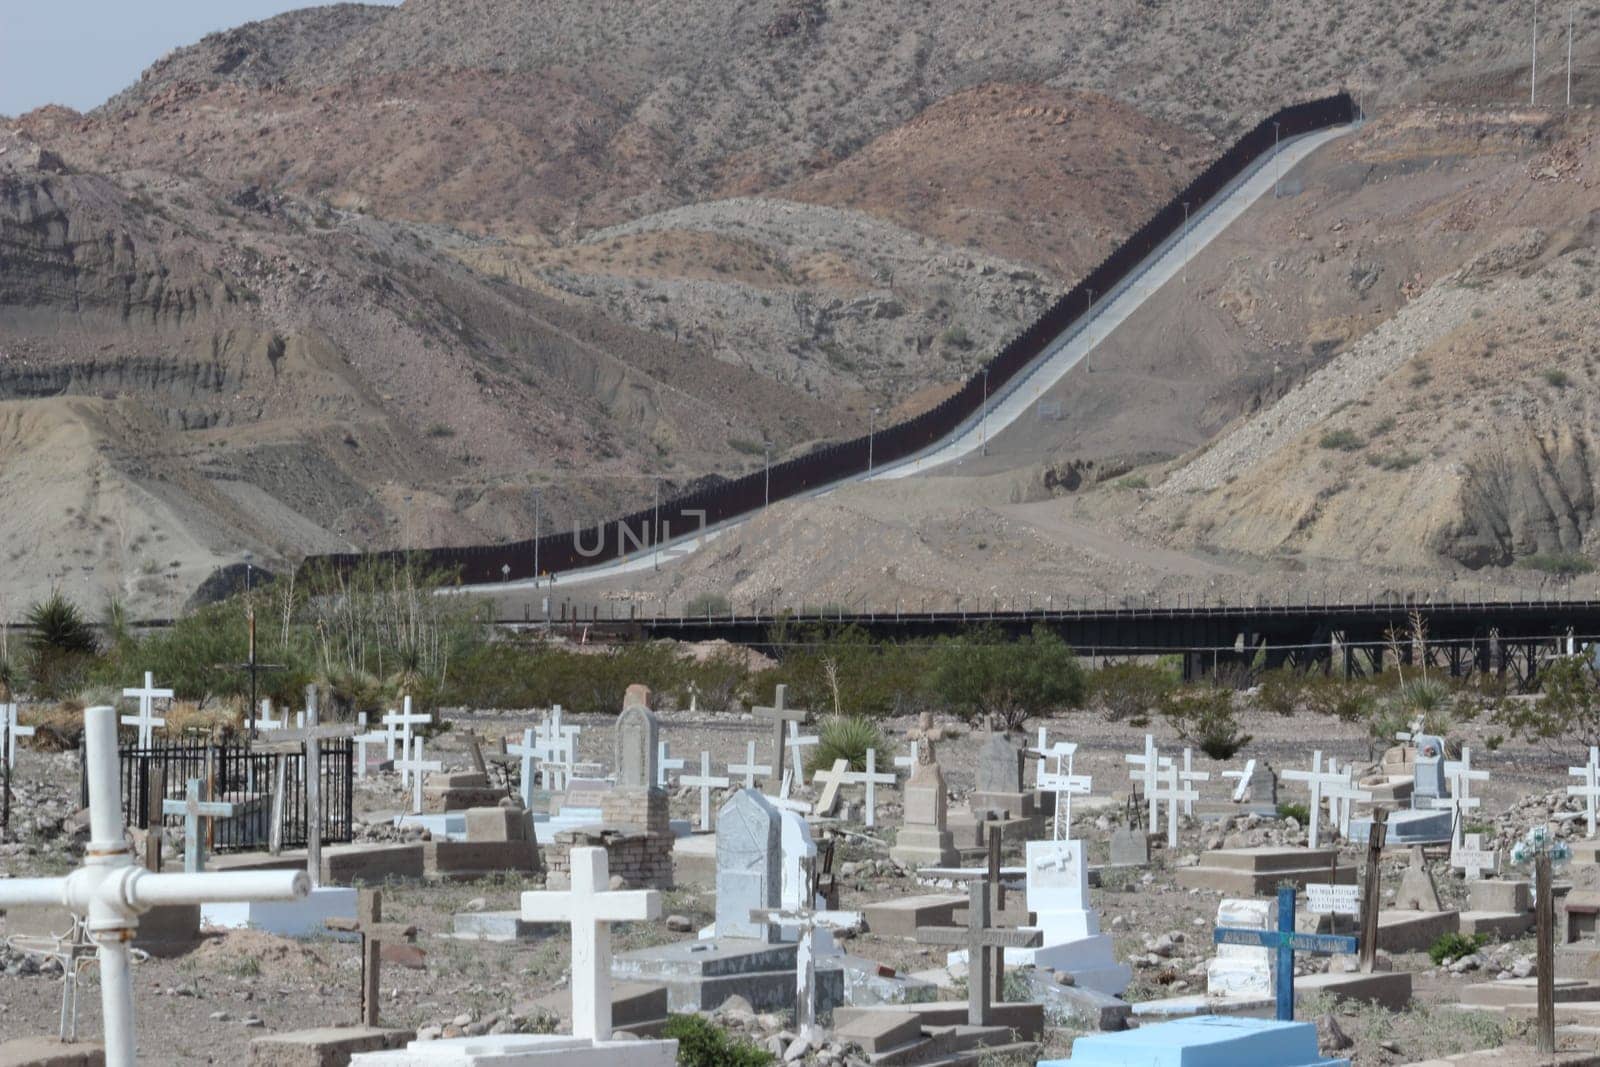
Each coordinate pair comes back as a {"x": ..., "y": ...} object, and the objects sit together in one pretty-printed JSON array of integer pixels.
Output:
[{"x": 80, "y": 52}]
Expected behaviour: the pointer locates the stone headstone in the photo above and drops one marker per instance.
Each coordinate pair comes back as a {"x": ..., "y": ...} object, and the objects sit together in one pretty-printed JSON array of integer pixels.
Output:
[
  {"x": 749, "y": 864},
  {"x": 999, "y": 767},
  {"x": 1242, "y": 970},
  {"x": 1058, "y": 891},
  {"x": 636, "y": 752},
  {"x": 925, "y": 802},
  {"x": 1417, "y": 891},
  {"x": 1430, "y": 784},
  {"x": 1130, "y": 848},
  {"x": 1264, "y": 784}
]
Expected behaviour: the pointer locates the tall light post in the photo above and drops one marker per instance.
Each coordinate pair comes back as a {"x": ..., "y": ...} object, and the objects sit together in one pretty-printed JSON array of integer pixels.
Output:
[
  {"x": 655, "y": 526},
  {"x": 766, "y": 448},
  {"x": 1277, "y": 160},
  {"x": 1533, "y": 69},
  {"x": 537, "y": 494},
  {"x": 986, "y": 409},
  {"x": 872, "y": 430},
  {"x": 1572, "y": 14}
]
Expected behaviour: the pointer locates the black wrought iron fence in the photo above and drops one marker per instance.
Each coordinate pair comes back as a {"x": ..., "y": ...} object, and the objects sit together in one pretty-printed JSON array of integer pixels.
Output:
[{"x": 245, "y": 777}]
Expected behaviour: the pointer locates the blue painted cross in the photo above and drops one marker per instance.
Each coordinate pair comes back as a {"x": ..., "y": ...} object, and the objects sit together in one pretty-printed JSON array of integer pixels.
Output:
[{"x": 1287, "y": 943}]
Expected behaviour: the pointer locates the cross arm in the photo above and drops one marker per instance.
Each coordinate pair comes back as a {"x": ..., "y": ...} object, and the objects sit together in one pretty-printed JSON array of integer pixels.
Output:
[{"x": 989, "y": 937}]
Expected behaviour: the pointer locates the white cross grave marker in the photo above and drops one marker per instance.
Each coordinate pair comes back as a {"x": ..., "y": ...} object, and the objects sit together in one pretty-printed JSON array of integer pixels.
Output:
[
  {"x": 528, "y": 751},
  {"x": 1244, "y": 778},
  {"x": 113, "y": 892},
  {"x": 1470, "y": 855},
  {"x": 830, "y": 780},
  {"x": 146, "y": 720},
  {"x": 871, "y": 778},
  {"x": 665, "y": 764},
  {"x": 749, "y": 768},
  {"x": 193, "y": 809},
  {"x": 11, "y": 728},
  {"x": 1063, "y": 783},
  {"x": 590, "y": 908},
  {"x": 1173, "y": 792},
  {"x": 405, "y": 720},
  {"x": 1590, "y": 789},
  {"x": 806, "y": 921},
  {"x": 415, "y": 763},
  {"x": 361, "y": 741},
  {"x": 784, "y": 800},
  {"x": 705, "y": 783},
  {"x": 797, "y": 744},
  {"x": 1343, "y": 795},
  {"x": 1316, "y": 780},
  {"x": 265, "y": 721},
  {"x": 1147, "y": 768},
  {"x": 1188, "y": 776}
]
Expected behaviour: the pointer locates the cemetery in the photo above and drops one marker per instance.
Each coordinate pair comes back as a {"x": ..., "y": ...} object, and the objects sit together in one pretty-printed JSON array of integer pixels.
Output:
[{"x": 424, "y": 883}]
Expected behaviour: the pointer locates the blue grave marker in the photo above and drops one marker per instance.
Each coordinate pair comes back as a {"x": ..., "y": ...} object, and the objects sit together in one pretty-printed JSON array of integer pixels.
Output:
[{"x": 1287, "y": 942}]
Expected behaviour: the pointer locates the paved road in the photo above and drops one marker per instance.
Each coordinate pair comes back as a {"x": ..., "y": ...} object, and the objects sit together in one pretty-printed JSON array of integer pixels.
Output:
[{"x": 1066, "y": 351}]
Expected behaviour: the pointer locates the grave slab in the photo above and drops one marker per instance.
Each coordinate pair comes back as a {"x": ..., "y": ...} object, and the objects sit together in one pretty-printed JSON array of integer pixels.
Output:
[
  {"x": 879, "y": 1032},
  {"x": 524, "y": 1050},
  {"x": 330, "y": 1046},
  {"x": 1497, "y": 925},
  {"x": 1392, "y": 989},
  {"x": 500, "y": 926},
  {"x": 1207, "y": 1041},
  {"x": 1025, "y": 1018},
  {"x": 1513, "y": 991},
  {"x": 700, "y": 975},
  {"x": 462, "y": 861},
  {"x": 1587, "y": 851},
  {"x": 298, "y": 919},
  {"x": 1253, "y": 872},
  {"x": 1419, "y": 827},
  {"x": 637, "y": 1008},
  {"x": 1411, "y": 931},
  {"x": 51, "y": 1052},
  {"x": 341, "y": 864},
  {"x": 901, "y": 917}
]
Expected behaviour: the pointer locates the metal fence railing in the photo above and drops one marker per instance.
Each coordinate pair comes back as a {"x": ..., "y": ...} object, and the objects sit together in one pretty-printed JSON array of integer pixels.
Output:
[{"x": 245, "y": 777}]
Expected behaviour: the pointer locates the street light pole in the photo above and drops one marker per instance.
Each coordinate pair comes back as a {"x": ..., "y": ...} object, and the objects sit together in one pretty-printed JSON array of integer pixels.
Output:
[
  {"x": 1277, "y": 160},
  {"x": 655, "y": 527},
  {"x": 536, "y": 496},
  {"x": 1533, "y": 76},
  {"x": 872, "y": 429},
  {"x": 766, "y": 448},
  {"x": 986, "y": 409}
]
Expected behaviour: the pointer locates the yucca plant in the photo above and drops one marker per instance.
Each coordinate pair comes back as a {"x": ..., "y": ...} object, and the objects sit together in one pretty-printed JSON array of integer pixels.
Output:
[
  {"x": 57, "y": 625},
  {"x": 845, "y": 737}
]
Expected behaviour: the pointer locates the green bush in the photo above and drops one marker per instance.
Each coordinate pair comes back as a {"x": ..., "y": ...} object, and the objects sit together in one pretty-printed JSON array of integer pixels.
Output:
[
  {"x": 1567, "y": 714},
  {"x": 1558, "y": 379},
  {"x": 708, "y": 604},
  {"x": 1557, "y": 564},
  {"x": 983, "y": 674},
  {"x": 1342, "y": 441},
  {"x": 702, "y": 1043},
  {"x": 1204, "y": 716},
  {"x": 1347, "y": 701},
  {"x": 1130, "y": 690},
  {"x": 845, "y": 737},
  {"x": 1298, "y": 812},
  {"x": 834, "y": 670},
  {"x": 1280, "y": 691},
  {"x": 1452, "y": 947},
  {"x": 1422, "y": 696},
  {"x": 60, "y": 648}
]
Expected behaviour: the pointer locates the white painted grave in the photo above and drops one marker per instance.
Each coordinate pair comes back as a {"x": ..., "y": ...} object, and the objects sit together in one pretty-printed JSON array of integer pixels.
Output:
[
  {"x": 405, "y": 720},
  {"x": 797, "y": 743},
  {"x": 1174, "y": 793},
  {"x": 705, "y": 782},
  {"x": 1189, "y": 776},
  {"x": 1472, "y": 858},
  {"x": 415, "y": 765},
  {"x": 750, "y": 768},
  {"x": 11, "y": 728},
  {"x": 1589, "y": 790},
  {"x": 1244, "y": 778},
  {"x": 1242, "y": 970},
  {"x": 1316, "y": 780},
  {"x": 871, "y": 778},
  {"x": 665, "y": 765},
  {"x": 193, "y": 809}
]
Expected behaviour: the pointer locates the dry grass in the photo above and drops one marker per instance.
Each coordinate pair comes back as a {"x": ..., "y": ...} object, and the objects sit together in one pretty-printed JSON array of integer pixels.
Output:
[{"x": 59, "y": 727}]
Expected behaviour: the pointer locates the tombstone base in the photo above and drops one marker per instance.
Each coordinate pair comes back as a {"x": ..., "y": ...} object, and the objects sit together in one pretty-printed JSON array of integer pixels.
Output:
[
  {"x": 1090, "y": 960},
  {"x": 1578, "y": 960},
  {"x": 637, "y": 1008},
  {"x": 700, "y": 975},
  {"x": 1406, "y": 828},
  {"x": 372, "y": 863},
  {"x": 1411, "y": 931},
  {"x": 51, "y": 1052},
  {"x": 924, "y": 846},
  {"x": 694, "y": 860},
  {"x": 1256, "y": 872},
  {"x": 1026, "y": 1018},
  {"x": 288, "y": 918},
  {"x": 1587, "y": 851},
  {"x": 1498, "y": 925},
  {"x": 522, "y": 1050},
  {"x": 641, "y": 860},
  {"x": 499, "y": 926},
  {"x": 328, "y": 1046},
  {"x": 901, "y": 917},
  {"x": 463, "y": 861}
]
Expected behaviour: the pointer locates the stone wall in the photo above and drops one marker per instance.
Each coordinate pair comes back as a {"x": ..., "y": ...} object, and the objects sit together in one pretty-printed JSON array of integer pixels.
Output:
[{"x": 641, "y": 861}]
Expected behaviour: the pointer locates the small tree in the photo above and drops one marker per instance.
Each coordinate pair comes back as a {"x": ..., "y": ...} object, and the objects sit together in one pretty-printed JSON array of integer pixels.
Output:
[
  {"x": 1203, "y": 715},
  {"x": 983, "y": 673},
  {"x": 1130, "y": 690},
  {"x": 1567, "y": 714}
]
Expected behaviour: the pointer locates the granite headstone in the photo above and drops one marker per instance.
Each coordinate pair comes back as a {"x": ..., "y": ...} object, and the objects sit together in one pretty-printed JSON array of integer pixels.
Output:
[{"x": 749, "y": 864}]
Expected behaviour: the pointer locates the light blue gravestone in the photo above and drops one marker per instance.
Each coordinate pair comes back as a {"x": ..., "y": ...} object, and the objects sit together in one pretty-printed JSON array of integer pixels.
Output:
[
  {"x": 1206, "y": 1041},
  {"x": 1425, "y": 823},
  {"x": 749, "y": 865},
  {"x": 1287, "y": 942}
]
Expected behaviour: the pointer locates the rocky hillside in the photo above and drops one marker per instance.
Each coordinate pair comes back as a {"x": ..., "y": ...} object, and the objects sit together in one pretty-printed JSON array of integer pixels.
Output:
[{"x": 371, "y": 276}]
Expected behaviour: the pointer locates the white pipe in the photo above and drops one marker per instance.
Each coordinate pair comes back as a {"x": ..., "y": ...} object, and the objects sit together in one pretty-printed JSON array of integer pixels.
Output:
[
  {"x": 146, "y": 891},
  {"x": 116, "y": 1005},
  {"x": 105, "y": 803},
  {"x": 26, "y": 892}
]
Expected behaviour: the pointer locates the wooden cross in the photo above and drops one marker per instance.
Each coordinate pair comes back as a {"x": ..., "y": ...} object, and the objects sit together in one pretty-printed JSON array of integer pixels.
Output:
[
  {"x": 146, "y": 720},
  {"x": 831, "y": 780},
  {"x": 777, "y": 715},
  {"x": 1372, "y": 889},
  {"x": 871, "y": 779},
  {"x": 193, "y": 809},
  {"x": 1244, "y": 777},
  {"x": 665, "y": 764},
  {"x": 749, "y": 768},
  {"x": 1286, "y": 942},
  {"x": 415, "y": 763},
  {"x": 311, "y": 735},
  {"x": 590, "y": 908},
  {"x": 1188, "y": 776},
  {"x": 705, "y": 783},
  {"x": 978, "y": 938},
  {"x": 1590, "y": 789},
  {"x": 374, "y": 932},
  {"x": 154, "y": 814}
]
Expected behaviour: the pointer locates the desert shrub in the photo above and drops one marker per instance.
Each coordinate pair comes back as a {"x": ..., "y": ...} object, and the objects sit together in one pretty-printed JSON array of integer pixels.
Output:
[
  {"x": 982, "y": 674},
  {"x": 1567, "y": 714},
  {"x": 1280, "y": 690},
  {"x": 702, "y": 1043},
  {"x": 1130, "y": 690},
  {"x": 1344, "y": 700},
  {"x": 1298, "y": 812},
  {"x": 1204, "y": 716},
  {"x": 845, "y": 737},
  {"x": 844, "y": 671},
  {"x": 721, "y": 680},
  {"x": 1451, "y": 947},
  {"x": 507, "y": 674},
  {"x": 60, "y": 647},
  {"x": 708, "y": 604},
  {"x": 1342, "y": 441},
  {"x": 1557, "y": 564},
  {"x": 1422, "y": 696},
  {"x": 1558, "y": 379}
]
